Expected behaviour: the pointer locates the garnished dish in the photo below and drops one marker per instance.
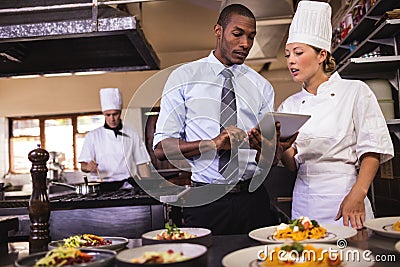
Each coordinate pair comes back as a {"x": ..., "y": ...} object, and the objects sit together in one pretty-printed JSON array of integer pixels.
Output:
[
  {"x": 168, "y": 254},
  {"x": 85, "y": 240},
  {"x": 300, "y": 229},
  {"x": 63, "y": 256},
  {"x": 91, "y": 241},
  {"x": 78, "y": 257},
  {"x": 297, "y": 254},
  {"x": 386, "y": 226},
  {"x": 160, "y": 257},
  {"x": 172, "y": 232}
]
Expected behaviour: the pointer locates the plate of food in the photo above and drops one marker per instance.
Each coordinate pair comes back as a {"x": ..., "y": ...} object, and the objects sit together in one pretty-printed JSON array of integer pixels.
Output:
[
  {"x": 386, "y": 226},
  {"x": 298, "y": 254},
  {"x": 69, "y": 256},
  {"x": 302, "y": 230},
  {"x": 173, "y": 234},
  {"x": 91, "y": 241},
  {"x": 171, "y": 255}
]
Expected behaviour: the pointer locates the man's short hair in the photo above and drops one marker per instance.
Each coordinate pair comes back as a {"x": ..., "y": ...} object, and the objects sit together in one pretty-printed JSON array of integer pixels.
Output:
[{"x": 239, "y": 9}]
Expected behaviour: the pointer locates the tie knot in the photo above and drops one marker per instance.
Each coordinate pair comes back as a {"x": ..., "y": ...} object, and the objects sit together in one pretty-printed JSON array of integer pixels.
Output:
[{"x": 227, "y": 73}]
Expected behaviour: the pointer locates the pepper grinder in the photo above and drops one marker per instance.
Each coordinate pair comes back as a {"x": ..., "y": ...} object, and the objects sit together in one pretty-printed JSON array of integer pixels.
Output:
[{"x": 39, "y": 204}]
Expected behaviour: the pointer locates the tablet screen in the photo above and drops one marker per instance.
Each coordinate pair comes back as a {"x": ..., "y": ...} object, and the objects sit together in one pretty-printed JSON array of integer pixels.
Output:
[{"x": 290, "y": 123}]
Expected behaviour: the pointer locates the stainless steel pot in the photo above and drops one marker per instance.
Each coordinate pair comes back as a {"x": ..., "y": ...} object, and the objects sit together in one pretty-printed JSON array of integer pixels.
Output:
[{"x": 82, "y": 189}]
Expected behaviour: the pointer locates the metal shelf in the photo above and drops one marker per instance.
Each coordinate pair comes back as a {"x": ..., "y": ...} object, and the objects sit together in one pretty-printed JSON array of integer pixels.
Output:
[
  {"x": 366, "y": 25},
  {"x": 383, "y": 35},
  {"x": 370, "y": 68}
]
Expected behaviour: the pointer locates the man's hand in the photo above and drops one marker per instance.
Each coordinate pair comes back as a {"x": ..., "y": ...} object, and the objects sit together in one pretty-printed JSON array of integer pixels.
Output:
[
  {"x": 264, "y": 146},
  {"x": 89, "y": 166},
  {"x": 230, "y": 137}
]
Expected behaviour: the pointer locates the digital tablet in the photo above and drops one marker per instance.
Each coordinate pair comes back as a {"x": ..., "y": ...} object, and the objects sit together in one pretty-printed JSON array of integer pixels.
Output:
[{"x": 290, "y": 123}]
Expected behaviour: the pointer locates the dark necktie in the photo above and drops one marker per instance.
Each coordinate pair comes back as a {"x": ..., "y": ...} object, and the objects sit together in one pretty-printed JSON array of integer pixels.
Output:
[{"x": 228, "y": 159}]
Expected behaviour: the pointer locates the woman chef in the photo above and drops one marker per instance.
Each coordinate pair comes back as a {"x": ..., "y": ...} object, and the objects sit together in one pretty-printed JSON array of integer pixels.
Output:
[
  {"x": 346, "y": 130},
  {"x": 113, "y": 150}
]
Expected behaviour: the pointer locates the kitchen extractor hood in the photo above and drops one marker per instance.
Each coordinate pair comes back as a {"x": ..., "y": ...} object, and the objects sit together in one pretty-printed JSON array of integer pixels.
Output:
[{"x": 66, "y": 36}]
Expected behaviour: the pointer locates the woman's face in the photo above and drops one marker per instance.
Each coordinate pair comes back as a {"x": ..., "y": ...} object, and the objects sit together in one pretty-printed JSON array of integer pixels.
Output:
[{"x": 303, "y": 61}]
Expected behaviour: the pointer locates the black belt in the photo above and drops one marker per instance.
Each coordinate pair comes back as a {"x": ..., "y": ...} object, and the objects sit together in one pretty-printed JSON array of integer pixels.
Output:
[{"x": 240, "y": 187}]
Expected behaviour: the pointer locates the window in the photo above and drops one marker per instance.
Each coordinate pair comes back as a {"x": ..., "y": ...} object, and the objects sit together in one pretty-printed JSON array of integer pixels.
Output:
[{"x": 63, "y": 134}]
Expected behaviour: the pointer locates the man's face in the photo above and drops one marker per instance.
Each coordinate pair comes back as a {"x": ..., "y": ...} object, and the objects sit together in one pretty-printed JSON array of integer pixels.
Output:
[
  {"x": 113, "y": 117},
  {"x": 235, "y": 40}
]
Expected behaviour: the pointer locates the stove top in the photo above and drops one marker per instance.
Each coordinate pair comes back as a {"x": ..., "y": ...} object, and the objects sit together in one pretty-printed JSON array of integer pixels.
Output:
[
  {"x": 68, "y": 200},
  {"x": 119, "y": 194}
]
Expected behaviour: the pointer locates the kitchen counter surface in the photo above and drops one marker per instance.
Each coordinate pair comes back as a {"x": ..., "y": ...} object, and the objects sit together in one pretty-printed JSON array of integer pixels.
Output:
[
  {"x": 127, "y": 210},
  {"x": 223, "y": 245}
]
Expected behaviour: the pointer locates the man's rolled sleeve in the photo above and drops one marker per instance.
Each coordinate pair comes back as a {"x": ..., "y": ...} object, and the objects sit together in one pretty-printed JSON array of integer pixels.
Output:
[{"x": 170, "y": 123}]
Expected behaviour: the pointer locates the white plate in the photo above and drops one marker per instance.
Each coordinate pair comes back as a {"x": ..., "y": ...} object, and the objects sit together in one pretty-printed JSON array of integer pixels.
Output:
[
  {"x": 248, "y": 256},
  {"x": 204, "y": 237},
  {"x": 101, "y": 258},
  {"x": 397, "y": 246},
  {"x": 290, "y": 123},
  {"x": 383, "y": 226},
  {"x": 334, "y": 233},
  {"x": 196, "y": 254},
  {"x": 117, "y": 243}
]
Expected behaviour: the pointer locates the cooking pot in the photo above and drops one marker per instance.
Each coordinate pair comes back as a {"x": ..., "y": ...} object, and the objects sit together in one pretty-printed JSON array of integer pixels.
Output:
[
  {"x": 82, "y": 189},
  {"x": 93, "y": 187}
]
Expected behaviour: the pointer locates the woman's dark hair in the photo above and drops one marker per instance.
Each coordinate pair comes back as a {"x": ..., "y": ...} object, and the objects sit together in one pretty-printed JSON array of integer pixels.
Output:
[
  {"x": 226, "y": 13},
  {"x": 329, "y": 64}
]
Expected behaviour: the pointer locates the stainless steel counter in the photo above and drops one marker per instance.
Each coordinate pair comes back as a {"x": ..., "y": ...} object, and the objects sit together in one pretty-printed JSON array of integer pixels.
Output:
[{"x": 223, "y": 245}]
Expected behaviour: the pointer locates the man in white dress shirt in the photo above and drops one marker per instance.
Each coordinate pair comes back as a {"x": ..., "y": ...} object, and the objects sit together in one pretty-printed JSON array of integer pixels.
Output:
[{"x": 190, "y": 126}]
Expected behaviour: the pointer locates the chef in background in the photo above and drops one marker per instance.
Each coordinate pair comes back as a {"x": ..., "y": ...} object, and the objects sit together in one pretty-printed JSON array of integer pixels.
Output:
[
  {"x": 346, "y": 131},
  {"x": 114, "y": 151}
]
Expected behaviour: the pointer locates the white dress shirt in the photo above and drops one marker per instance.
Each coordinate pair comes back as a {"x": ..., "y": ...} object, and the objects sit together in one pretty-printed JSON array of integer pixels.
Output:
[{"x": 190, "y": 110}]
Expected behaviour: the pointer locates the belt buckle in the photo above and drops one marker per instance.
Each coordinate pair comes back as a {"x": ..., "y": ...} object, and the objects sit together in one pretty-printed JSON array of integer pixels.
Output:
[{"x": 235, "y": 189}]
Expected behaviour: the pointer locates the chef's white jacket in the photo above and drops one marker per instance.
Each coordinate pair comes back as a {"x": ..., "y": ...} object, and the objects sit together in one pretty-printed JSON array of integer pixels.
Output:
[
  {"x": 346, "y": 122},
  {"x": 117, "y": 157}
]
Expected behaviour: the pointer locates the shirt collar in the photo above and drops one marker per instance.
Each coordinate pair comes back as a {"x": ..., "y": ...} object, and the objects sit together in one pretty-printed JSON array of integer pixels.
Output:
[
  {"x": 325, "y": 86},
  {"x": 217, "y": 67},
  {"x": 117, "y": 130}
]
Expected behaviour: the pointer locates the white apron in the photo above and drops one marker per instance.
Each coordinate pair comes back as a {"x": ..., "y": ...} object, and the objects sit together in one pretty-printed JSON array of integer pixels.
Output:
[{"x": 321, "y": 188}]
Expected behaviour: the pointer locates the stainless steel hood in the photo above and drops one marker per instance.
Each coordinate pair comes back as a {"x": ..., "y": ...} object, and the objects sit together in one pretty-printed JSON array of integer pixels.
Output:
[{"x": 68, "y": 36}]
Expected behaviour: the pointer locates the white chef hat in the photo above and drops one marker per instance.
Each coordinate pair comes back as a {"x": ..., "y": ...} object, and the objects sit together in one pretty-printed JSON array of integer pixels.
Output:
[
  {"x": 312, "y": 25},
  {"x": 110, "y": 98}
]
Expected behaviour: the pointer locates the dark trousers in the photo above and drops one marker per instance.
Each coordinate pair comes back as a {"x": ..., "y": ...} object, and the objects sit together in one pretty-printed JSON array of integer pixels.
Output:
[{"x": 234, "y": 213}]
